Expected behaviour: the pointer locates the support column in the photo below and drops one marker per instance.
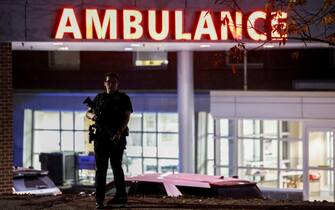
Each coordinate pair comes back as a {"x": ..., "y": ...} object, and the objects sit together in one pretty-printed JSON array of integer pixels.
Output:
[
  {"x": 6, "y": 118},
  {"x": 186, "y": 111}
]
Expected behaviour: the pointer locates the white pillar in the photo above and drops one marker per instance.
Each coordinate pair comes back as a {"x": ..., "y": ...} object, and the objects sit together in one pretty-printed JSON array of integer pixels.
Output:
[{"x": 186, "y": 111}]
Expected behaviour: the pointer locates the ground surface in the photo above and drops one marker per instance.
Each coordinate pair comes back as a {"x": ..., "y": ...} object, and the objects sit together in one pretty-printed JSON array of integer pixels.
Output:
[{"x": 86, "y": 201}]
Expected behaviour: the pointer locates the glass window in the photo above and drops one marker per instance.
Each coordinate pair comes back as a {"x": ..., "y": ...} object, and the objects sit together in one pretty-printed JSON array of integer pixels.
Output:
[
  {"x": 210, "y": 167},
  {"x": 291, "y": 179},
  {"x": 149, "y": 145},
  {"x": 321, "y": 185},
  {"x": 263, "y": 177},
  {"x": 46, "y": 141},
  {"x": 135, "y": 122},
  {"x": 46, "y": 120},
  {"x": 224, "y": 151},
  {"x": 134, "y": 144},
  {"x": 67, "y": 141},
  {"x": 134, "y": 167},
  {"x": 291, "y": 130},
  {"x": 224, "y": 127},
  {"x": 249, "y": 152},
  {"x": 167, "y": 122},
  {"x": 67, "y": 120},
  {"x": 168, "y": 145},
  {"x": 80, "y": 120},
  {"x": 291, "y": 154},
  {"x": 320, "y": 149},
  {"x": 270, "y": 128},
  {"x": 210, "y": 147},
  {"x": 167, "y": 165},
  {"x": 80, "y": 145},
  {"x": 250, "y": 128},
  {"x": 150, "y": 165},
  {"x": 149, "y": 122},
  {"x": 210, "y": 127}
]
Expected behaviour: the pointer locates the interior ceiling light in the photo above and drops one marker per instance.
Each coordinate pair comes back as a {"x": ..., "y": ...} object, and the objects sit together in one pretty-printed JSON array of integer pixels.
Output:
[
  {"x": 269, "y": 46},
  {"x": 63, "y": 48},
  {"x": 57, "y": 43},
  {"x": 135, "y": 45},
  {"x": 205, "y": 45},
  {"x": 128, "y": 49}
]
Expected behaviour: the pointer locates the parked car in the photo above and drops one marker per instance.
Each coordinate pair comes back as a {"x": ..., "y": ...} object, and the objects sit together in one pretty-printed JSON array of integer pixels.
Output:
[
  {"x": 183, "y": 184},
  {"x": 32, "y": 181}
]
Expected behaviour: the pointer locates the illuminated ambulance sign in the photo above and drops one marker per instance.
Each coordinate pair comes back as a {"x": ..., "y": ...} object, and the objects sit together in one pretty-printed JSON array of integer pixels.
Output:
[{"x": 164, "y": 25}]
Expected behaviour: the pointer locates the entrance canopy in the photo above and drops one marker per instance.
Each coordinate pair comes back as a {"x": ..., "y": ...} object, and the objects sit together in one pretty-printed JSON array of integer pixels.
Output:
[{"x": 155, "y": 46}]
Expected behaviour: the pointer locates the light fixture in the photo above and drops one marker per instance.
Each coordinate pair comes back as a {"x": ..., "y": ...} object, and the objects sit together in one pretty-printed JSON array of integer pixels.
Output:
[
  {"x": 57, "y": 43},
  {"x": 135, "y": 45},
  {"x": 128, "y": 49},
  {"x": 63, "y": 48},
  {"x": 205, "y": 45},
  {"x": 268, "y": 46}
]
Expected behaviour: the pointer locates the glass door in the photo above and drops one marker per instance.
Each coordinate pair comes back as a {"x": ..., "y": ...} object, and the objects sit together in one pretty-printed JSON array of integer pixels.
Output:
[{"x": 320, "y": 164}]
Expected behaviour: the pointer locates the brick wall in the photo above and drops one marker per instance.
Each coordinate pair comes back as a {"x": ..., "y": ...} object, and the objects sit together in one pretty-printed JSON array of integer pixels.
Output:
[{"x": 6, "y": 118}]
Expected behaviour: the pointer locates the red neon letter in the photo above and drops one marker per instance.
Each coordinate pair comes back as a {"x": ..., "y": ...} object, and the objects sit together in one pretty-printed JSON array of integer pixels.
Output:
[
  {"x": 235, "y": 29},
  {"x": 179, "y": 22},
  {"x": 73, "y": 27},
  {"x": 205, "y": 26},
  {"x": 279, "y": 26},
  {"x": 251, "y": 26},
  {"x": 153, "y": 25},
  {"x": 128, "y": 24},
  {"x": 92, "y": 19}
]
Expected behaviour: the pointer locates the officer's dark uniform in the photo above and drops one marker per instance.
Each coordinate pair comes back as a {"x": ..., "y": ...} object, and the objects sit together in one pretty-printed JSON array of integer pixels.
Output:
[{"x": 110, "y": 111}]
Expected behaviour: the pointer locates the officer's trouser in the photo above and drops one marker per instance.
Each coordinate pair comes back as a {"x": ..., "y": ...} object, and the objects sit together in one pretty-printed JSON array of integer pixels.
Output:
[{"x": 105, "y": 151}]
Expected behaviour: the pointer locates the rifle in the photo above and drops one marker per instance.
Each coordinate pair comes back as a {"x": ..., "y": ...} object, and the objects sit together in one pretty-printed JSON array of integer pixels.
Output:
[{"x": 93, "y": 128}]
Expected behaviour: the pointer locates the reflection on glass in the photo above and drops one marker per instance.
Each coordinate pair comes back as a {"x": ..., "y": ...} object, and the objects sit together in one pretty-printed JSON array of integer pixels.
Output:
[
  {"x": 67, "y": 120},
  {"x": 46, "y": 120},
  {"x": 149, "y": 122}
]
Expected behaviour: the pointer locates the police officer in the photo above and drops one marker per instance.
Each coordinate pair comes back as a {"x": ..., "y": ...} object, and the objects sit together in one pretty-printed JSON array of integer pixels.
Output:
[{"x": 111, "y": 114}]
